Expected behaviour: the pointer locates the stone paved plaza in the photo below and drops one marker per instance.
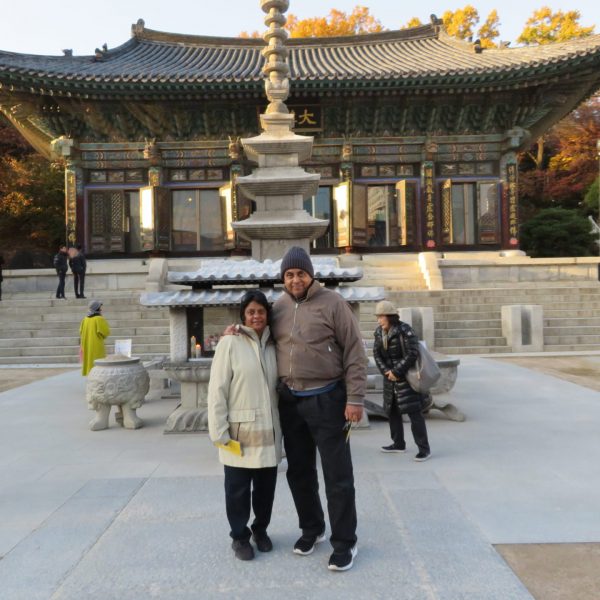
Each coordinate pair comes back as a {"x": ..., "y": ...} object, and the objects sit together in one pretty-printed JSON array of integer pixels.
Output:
[{"x": 121, "y": 514}]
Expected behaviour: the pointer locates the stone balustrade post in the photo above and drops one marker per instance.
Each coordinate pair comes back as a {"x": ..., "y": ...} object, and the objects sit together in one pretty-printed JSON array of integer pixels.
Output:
[
  {"x": 420, "y": 318},
  {"x": 523, "y": 327}
]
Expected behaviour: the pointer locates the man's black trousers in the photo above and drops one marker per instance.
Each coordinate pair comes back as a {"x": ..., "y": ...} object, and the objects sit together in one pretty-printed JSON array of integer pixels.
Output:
[
  {"x": 243, "y": 485},
  {"x": 60, "y": 290},
  {"x": 78, "y": 283},
  {"x": 311, "y": 423}
]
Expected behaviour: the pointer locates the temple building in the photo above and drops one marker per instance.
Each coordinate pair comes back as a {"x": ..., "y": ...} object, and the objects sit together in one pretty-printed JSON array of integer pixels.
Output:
[{"x": 416, "y": 135}]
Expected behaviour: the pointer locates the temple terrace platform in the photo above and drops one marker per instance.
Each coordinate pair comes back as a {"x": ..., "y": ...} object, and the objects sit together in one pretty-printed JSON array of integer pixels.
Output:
[{"x": 121, "y": 514}]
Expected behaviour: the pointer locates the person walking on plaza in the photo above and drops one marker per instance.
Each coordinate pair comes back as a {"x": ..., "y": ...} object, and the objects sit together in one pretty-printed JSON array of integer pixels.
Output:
[
  {"x": 61, "y": 265},
  {"x": 94, "y": 329},
  {"x": 78, "y": 266},
  {"x": 396, "y": 350},
  {"x": 243, "y": 421},
  {"x": 322, "y": 367}
]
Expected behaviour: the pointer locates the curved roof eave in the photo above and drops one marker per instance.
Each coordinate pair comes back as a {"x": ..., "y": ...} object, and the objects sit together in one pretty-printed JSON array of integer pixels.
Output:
[{"x": 421, "y": 54}]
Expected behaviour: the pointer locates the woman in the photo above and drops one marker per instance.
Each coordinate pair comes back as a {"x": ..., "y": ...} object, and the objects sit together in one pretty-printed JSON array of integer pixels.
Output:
[
  {"x": 92, "y": 332},
  {"x": 395, "y": 351},
  {"x": 242, "y": 407}
]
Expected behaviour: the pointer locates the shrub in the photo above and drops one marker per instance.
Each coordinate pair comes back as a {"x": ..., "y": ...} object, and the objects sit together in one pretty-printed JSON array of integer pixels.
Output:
[{"x": 558, "y": 232}]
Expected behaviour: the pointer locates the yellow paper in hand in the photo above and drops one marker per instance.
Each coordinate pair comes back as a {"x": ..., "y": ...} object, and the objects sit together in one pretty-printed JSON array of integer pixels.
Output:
[{"x": 232, "y": 446}]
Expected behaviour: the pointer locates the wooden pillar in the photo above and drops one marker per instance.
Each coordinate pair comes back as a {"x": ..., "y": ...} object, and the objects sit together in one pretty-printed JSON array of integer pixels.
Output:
[
  {"x": 509, "y": 173},
  {"x": 430, "y": 225}
]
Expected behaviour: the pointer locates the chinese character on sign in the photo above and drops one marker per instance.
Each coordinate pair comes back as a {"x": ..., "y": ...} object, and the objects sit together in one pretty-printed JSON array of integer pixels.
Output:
[{"x": 306, "y": 118}]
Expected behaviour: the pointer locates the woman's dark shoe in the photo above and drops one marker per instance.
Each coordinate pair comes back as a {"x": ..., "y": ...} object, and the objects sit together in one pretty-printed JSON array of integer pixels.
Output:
[
  {"x": 393, "y": 448},
  {"x": 263, "y": 542},
  {"x": 243, "y": 550}
]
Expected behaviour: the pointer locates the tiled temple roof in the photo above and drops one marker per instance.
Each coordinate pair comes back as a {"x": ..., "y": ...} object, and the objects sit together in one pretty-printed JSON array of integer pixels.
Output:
[
  {"x": 239, "y": 272},
  {"x": 233, "y": 296},
  {"x": 421, "y": 56}
]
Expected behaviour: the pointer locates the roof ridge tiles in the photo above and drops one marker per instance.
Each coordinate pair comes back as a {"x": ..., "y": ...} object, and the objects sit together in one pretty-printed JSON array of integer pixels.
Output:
[{"x": 420, "y": 32}]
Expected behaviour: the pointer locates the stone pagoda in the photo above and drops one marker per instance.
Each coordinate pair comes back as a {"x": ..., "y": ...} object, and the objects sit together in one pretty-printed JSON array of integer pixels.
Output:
[
  {"x": 279, "y": 185},
  {"x": 201, "y": 303}
]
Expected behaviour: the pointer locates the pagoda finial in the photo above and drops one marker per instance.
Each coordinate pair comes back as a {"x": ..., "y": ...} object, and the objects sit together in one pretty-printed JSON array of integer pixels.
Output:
[{"x": 277, "y": 85}]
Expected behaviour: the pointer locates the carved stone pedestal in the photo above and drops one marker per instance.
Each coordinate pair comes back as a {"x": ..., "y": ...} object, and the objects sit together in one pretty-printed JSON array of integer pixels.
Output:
[
  {"x": 118, "y": 381},
  {"x": 192, "y": 414}
]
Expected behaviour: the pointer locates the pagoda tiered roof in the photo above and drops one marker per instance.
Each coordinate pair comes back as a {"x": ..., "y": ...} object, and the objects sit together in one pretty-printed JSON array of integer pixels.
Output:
[{"x": 155, "y": 63}]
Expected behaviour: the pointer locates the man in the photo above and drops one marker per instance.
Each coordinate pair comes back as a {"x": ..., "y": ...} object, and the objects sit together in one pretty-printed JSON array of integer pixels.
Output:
[
  {"x": 322, "y": 368},
  {"x": 78, "y": 266},
  {"x": 61, "y": 265}
]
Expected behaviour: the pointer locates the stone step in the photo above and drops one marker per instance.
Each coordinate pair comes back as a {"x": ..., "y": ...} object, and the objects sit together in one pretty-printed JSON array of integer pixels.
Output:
[
  {"x": 458, "y": 342},
  {"x": 572, "y": 330},
  {"x": 568, "y": 339},
  {"x": 468, "y": 324},
  {"x": 125, "y": 331},
  {"x": 531, "y": 297},
  {"x": 71, "y": 359},
  {"x": 572, "y": 347},
  {"x": 572, "y": 313},
  {"x": 73, "y": 340},
  {"x": 452, "y": 350},
  {"x": 58, "y": 353}
]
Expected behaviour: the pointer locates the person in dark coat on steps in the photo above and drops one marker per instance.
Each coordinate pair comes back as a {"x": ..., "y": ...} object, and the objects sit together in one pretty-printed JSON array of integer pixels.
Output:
[
  {"x": 396, "y": 350},
  {"x": 78, "y": 266},
  {"x": 61, "y": 264}
]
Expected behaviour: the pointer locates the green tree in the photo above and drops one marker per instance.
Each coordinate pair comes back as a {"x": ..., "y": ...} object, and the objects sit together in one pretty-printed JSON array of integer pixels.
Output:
[
  {"x": 591, "y": 200},
  {"x": 558, "y": 232},
  {"x": 545, "y": 26}
]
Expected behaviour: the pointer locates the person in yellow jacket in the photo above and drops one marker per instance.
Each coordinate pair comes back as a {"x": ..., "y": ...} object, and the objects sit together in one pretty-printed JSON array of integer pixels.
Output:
[
  {"x": 93, "y": 331},
  {"x": 243, "y": 420}
]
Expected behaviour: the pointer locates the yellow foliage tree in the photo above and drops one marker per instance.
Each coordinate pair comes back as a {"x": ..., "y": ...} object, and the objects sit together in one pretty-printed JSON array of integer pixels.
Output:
[
  {"x": 461, "y": 23},
  {"x": 414, "y": 22},
  {"x": 489, "y": 31},
  {"x": 336, "y": 23},
  {"x": 544, "y": 27}
]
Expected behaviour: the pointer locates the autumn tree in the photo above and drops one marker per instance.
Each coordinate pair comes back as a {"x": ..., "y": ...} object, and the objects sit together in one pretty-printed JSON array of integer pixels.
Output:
[
  {"x": 31, "y": 197},
  {"x": 462, "y": 23},
  {"x": 545, "y": 26},
  {"x": 489, "y": 31},
  {"x": 546, "y": 181},
  {"x": 575, "y": 165},
  {"x": 413, "y": 22},
  {"x": 336, "y": 23}
]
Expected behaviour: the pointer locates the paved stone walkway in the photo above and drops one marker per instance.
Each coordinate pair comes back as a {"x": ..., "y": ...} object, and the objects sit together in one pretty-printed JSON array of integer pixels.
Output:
[{"x": 137, "y": 514}]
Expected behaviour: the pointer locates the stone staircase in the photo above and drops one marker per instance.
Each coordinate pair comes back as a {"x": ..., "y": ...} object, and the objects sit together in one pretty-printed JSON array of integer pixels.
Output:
[
  {"x": 469, "y": 321},
  {"x": 38, "y": 329},
  {"x": 35, "y": 329},
  {"x": 392, "y": 271}
]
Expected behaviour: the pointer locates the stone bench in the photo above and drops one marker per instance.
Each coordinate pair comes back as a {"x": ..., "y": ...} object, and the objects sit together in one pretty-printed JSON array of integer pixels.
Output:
[{"x": 448, "y": 366}]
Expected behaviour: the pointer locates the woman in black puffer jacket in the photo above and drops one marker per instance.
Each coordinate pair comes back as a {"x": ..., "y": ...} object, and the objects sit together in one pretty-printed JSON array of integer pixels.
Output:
[{"x": 395, "y": 351}]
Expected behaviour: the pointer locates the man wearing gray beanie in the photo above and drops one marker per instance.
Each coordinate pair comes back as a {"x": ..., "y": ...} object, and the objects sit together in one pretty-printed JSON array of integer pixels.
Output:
[{"x": 322, "y": 369}]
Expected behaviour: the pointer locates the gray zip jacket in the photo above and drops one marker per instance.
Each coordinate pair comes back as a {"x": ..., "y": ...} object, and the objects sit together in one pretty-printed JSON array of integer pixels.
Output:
[{"x": 319, "y": 342}]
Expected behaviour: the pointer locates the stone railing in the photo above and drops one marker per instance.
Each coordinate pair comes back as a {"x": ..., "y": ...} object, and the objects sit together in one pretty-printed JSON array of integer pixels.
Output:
[{"x": 464, "y": 272}]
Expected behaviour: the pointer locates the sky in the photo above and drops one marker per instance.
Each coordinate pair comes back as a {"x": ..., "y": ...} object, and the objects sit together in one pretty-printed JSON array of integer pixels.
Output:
[{"x": 35, "y": 27}]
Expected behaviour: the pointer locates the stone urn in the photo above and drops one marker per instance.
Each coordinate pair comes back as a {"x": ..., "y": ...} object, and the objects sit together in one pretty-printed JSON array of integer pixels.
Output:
[{"x": 119, "y": 381}]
